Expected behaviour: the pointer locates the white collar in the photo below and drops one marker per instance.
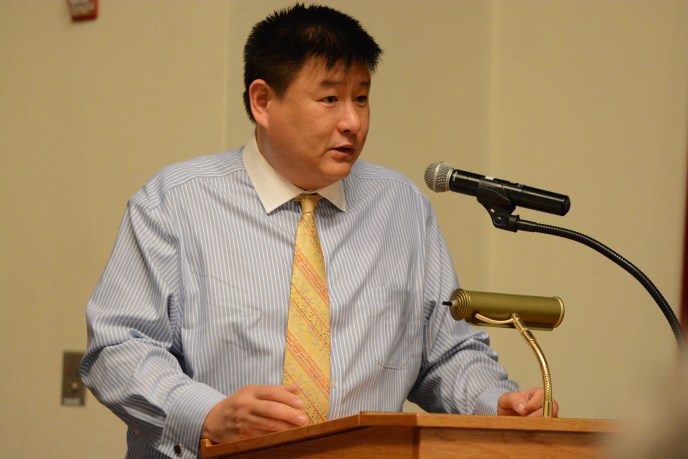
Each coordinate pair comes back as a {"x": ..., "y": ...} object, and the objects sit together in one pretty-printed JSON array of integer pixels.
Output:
[{"x": 273, "y": 189}]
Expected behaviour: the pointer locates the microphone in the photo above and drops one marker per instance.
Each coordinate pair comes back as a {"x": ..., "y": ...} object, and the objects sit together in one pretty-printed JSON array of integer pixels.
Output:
[
  {"x": 537, "y": 312},
  {"x": 440, "y": 177}
]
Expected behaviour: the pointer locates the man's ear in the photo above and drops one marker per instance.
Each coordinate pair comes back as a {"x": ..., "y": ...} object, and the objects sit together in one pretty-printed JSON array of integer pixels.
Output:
[{"x": 259, "y": 95}]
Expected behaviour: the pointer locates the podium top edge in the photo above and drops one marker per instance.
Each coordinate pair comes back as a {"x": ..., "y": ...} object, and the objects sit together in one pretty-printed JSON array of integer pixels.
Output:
[{"x": 365, "y": 420}]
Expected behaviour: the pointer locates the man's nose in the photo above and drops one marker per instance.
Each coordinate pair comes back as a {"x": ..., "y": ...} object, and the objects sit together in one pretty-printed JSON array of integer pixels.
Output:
[{"x": 350, "y": 119}]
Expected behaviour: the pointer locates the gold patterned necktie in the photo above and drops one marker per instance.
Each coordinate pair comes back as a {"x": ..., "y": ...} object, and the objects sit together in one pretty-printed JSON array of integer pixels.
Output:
[{"x": 307, "y": 357}]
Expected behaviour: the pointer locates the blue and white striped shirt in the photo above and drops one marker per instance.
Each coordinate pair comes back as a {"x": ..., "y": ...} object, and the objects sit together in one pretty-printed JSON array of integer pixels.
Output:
[{"x": 193, "y": 303}]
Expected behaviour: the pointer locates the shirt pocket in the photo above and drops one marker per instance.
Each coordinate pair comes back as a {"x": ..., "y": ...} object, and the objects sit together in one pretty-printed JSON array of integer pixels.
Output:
[{"x": 396, "y": 344}]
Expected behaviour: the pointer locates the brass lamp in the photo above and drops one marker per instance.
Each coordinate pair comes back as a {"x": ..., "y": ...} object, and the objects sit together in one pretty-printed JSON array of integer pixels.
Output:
[{"x": 513, "y": 311}]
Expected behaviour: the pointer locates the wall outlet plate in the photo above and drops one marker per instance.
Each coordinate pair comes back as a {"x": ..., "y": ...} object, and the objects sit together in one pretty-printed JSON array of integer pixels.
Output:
[{"x": 73, "y": 389}]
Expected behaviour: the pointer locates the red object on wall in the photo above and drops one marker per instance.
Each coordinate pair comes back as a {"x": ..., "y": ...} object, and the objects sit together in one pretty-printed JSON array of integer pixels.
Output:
[{"x": 83, "y": 10}]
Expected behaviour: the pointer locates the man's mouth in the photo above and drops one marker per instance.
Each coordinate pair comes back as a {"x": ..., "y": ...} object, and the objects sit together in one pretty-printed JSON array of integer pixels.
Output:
[{"x": 344, "y": 149}]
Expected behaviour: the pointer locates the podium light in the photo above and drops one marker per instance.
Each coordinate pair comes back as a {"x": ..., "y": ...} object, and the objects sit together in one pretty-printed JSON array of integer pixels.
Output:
[{"x": 513, "y": 311}]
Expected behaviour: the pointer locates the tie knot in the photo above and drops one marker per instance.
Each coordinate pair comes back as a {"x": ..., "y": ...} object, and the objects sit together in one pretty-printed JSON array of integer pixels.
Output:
[{"x": 308, "y": 202}]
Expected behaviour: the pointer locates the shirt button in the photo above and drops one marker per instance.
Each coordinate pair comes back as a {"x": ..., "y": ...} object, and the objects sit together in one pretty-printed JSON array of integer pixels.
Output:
[
  {"x": 178, "y": 450},
  {"x": 333, "y": 384}
]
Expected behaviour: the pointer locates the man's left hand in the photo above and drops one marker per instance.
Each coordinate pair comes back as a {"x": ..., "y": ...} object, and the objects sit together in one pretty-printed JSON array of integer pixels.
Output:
[{"x": 524, "y": 403}]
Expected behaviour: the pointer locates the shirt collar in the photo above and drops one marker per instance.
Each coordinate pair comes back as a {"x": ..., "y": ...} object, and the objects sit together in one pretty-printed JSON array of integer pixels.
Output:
[{"x": 274, "y": 190}]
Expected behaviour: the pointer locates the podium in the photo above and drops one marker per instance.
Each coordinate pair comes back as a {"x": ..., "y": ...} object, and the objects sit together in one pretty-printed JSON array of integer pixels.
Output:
[{"x": 426, "y": 436}]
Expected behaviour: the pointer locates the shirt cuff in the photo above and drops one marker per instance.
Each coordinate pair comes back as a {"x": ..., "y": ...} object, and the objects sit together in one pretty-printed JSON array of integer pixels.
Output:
[
  {"x": 486, "y": 405},
  {"x": 182, "y": 434}
]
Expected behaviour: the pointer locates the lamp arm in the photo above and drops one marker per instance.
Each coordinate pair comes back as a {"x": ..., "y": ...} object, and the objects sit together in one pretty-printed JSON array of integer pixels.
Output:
[{"x": 547, "y": 406}]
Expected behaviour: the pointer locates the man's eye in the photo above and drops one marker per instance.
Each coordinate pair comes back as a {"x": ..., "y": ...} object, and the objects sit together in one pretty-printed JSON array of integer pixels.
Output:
[
  {"x": 362, "y": 100},
  {"x": 330, "y": 99}
]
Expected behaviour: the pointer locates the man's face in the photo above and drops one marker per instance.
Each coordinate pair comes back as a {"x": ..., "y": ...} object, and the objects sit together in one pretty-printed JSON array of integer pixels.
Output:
[{"x": 315, "y": 132}]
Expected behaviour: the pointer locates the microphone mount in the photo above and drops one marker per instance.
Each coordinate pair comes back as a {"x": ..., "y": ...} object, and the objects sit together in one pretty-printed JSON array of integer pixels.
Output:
[{"x": 499, "y": 205}]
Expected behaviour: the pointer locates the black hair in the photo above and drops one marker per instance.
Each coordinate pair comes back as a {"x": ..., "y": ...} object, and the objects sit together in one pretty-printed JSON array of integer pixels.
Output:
[{"x": 278, "y": 47}]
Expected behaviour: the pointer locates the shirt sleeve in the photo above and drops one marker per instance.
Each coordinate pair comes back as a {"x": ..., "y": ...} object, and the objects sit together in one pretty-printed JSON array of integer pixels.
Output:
[
  {"x": 459, "y": 371},
  {"x": 134, "y": 362}
]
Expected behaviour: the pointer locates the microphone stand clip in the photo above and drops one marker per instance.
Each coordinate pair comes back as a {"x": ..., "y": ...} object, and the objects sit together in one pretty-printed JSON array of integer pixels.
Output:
[{"x": 498, "y": 204}]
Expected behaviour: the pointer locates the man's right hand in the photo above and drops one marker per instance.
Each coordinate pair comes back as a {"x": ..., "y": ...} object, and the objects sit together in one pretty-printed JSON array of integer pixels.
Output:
[{"x": 255, "y": 410}]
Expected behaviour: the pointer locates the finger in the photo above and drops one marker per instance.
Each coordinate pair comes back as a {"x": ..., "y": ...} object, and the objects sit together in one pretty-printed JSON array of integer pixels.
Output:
[
  {"x": 555, "y": 409},
  {"x": 538, "y": 401},
  {"x": 274, "y": 415},
  {"x": 293, "y": 388},
  {"x": 506, "y": 404},
  {"x": 519, "y": 402},
  {"x": 539, "y": 411},
  {"x": 535, "y": 398},
  {"x": 287, "y": 395},
  {"x": 254, "y": 425}
]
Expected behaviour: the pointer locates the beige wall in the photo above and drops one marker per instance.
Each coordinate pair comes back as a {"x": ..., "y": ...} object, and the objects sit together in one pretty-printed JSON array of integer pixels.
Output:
[
  {"x": 590, "y": 98},
  {"x": 582, "y": 97}
]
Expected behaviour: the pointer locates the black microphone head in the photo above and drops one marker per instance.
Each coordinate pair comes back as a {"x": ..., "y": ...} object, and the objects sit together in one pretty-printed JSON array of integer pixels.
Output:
[{"x": 437, "y": 176}]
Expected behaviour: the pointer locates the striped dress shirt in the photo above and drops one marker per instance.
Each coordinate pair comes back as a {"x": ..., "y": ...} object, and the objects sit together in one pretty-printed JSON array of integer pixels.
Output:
[{"x": 194, "y": 301}]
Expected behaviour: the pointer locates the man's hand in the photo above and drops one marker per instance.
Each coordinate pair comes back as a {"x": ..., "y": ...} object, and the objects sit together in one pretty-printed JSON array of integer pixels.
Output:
[
  {"x": 524, "y": 403},
  {"x": 255, "y": 410}
]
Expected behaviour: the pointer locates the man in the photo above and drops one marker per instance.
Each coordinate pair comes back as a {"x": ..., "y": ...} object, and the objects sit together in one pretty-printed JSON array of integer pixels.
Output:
[{"x": 188, "y": 325}]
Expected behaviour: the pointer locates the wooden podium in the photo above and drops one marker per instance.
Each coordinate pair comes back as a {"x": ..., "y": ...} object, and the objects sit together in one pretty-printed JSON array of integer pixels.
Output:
[{"x": 425, "y": 436}]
